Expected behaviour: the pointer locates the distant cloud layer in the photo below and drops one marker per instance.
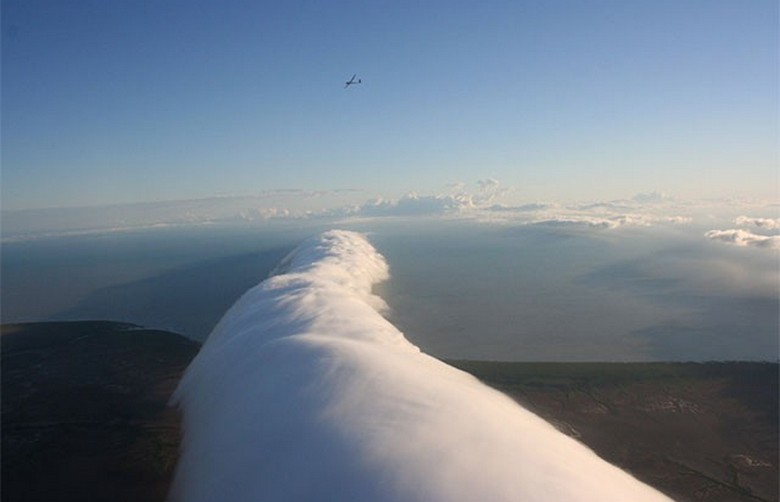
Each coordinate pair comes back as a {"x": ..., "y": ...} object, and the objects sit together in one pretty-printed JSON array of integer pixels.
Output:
[
  {"x": 767, "y": 223},
  {"x": 416, "y": 205},
  {"x": 652, "y": 197},
  {"x": 766, "y": 234},
  {"x": 485, "y": 202},
  {"x": 745, "y": 238},
  {"x": 483, "y": 205},
  {"x": 305, "y": 392}
]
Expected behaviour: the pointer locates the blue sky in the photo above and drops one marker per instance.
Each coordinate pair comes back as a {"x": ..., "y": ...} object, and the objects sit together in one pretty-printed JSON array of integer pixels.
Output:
[{"x": 129, "y": 101}]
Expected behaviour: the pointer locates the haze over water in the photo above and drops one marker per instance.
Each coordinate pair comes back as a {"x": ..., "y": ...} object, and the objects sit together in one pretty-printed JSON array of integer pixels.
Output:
[{"x": 458, "y": 289}]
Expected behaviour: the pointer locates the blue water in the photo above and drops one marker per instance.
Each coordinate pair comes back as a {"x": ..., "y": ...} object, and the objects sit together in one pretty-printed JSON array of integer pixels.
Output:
[{"x": 458, "y": 290}]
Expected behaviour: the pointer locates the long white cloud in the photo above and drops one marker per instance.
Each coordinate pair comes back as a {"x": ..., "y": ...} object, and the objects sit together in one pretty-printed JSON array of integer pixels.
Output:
[
  {"x": 305, "y": 392},
  {"x": 745, "y": 238}
]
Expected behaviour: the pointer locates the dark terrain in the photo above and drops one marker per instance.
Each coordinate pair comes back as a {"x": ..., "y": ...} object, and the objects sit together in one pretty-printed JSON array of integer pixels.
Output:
[
  {"x": 85, "y": 415},
  {"x": 695, "y": 431},
  {"x": 84, "y": 411}
]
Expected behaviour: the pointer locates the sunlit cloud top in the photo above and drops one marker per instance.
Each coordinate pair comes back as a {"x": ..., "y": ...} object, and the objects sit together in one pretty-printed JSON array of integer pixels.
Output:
[{"x": 305, "y": 392}]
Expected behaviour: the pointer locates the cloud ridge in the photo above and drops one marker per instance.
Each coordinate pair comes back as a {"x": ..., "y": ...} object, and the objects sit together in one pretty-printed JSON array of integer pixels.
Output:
[
  {"x": 744, "y": 238},
  {"x": 305, "y": 392}
]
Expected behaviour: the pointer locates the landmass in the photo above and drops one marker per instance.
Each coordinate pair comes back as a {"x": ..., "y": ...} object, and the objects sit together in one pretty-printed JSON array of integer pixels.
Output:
[
  {"x": 696, "y": 431},
  {"x": 84, "y": 411},
  {"x": 85, "y": 415}
]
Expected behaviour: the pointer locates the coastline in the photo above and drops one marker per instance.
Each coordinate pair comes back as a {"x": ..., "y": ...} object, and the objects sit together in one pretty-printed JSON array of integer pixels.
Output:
[{"x": 85, "y": 414}]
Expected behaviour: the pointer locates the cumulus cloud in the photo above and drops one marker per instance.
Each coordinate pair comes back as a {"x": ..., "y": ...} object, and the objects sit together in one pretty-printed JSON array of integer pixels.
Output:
[
  {"x": 652, "y": 198},
  {"x": 745, "y": 238},
  {"x": 523, "y": 208},
  {"x": 305, "y": 392},
  {"x": 605, "y": 221},
  {"x": 457, "y": 186},
  {"x": 413, "y": 204},
  {"x": 678, "y": 219},
  {"x": 486, "y": 201},
  {"x": 614, "y": 205},
  {"x": 764, "y": 223},
  {"x": 595, "y": 215},
  {"x": 577, "y": 221},
  {"x": 416, "y": 205},
  {"x": 489, "y": 190}
]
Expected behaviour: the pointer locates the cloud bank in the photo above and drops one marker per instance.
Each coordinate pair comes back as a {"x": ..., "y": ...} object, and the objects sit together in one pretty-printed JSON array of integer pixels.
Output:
[
  {"x": 766, "y": 223},
  {"x": 486, "y": 201},
  {"x": 415, "y": 205},
  {"x": 745, "y": 238},
  {"x": 764, "y": 236},
  {"x": 305, "y": 392}
]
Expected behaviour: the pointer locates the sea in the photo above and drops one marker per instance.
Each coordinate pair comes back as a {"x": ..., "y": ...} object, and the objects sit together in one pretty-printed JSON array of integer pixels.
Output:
[{"x": 458, "y": 289}]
